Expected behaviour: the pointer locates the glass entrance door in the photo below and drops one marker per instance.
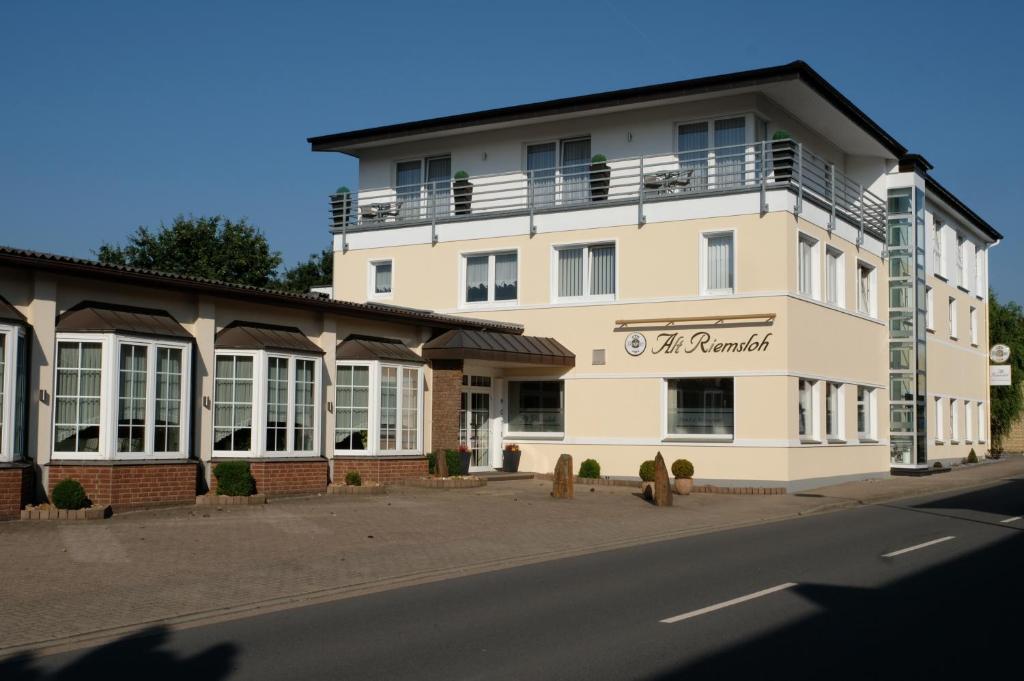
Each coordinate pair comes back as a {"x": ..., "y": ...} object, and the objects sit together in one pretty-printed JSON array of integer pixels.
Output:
[{"x": 475, "y": 419}]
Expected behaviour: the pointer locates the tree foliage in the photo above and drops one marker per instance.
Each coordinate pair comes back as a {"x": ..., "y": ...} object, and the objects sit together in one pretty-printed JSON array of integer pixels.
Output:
[
  {"x": 316, "y": 271},
  {"x": 1006, "y": 325},
  {"x": 211, "y": 247}
]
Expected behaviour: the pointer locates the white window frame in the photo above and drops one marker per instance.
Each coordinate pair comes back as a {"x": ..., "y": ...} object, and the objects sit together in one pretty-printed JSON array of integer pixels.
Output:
[
  {"x": 490, "y": 302},
  {"x": 751, "y": 121},
  {"x": 815, "y": 274},
  {"x": 954, "y": 422},
  {"x": 373, "y": 447},
  {"x": 559, "y": 176},
  {"x": 870, "y": 414},
  {"x": 929, "y": 302},
  {"x": 872, "y": 301},
  {"x": 838, "y": 414},
  {"x": 813, "y": 434},
  {"x": 979, "y": 266},
  {"x": 587, "y": 297},
  {"x": 836, "y": 255},
  {"x": 110, "y": 371},
  {"x": 14, "y": 338},
  {"x": 938, "y": 252},
  {"x": 260, "y": 394},
  {"x": 973, "y": 321},
  {"x": 961, "y": 261},
  {"x": 982, "y": 424},
  {"x": 532, "y": 434},
  {"x": 667, "y": 436},
  {"x": 954, "y": 331},
  {"x": 703, "y": 268},
  {"x": 968, "y": 422},
  {"x": 371, "y": 279},
  {"x": 940, "y": 420}
]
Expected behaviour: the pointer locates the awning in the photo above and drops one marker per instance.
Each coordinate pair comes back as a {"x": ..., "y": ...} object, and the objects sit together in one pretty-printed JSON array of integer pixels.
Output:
[
  {"x": 10, "y": 314},
  {"x": 103, "y": 318},
  {"x": 384, "y": 349},
  {"x": 253, "y": 336},
  {"x": 499, "y": 347}
]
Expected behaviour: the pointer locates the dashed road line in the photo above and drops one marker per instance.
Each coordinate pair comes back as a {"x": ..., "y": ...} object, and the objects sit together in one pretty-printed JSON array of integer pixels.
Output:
[
  {"x": 933, "y": 542},
  {"x": 726, "y": 604},
  {"x": 1013, "y": 519}
]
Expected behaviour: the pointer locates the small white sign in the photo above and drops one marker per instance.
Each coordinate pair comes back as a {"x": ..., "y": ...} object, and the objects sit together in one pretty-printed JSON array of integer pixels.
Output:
[
  {"x": 636, "y": 343},
  {"x": 999, "y": 354},
  {"x": 999, "y": 374}
]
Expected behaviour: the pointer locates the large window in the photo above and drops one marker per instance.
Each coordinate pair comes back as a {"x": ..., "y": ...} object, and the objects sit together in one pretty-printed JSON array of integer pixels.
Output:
[
  {"x": 961, "y": 262},
  {"x": 536, "y": 407},
  {"x": 718, "y": 263},
  {"x": 938, "y": 257},
  {"x": 13, "y": 387},
  {"x": 233, "y": 398},
  {"x": 491, "y": 277},
  {"x": 974, "y": 325},
  {"x": 807, "y": 266},
  {"x": 585, "y": 272},
  {"x": 378, "y": 408},
  {"x": 954, "y": 421},
  {"x": 700, "y": 407},
  {"x": 835, "y": 289},
  {"x": 712, "y": 153},
  {"x": 834, "y": 411},
  {"x": 982, "y": 423},
  {"x": 559, "y": 171},
  {"x": 77, "y": 413},
  {"x": 423, "y": 187},
  {"x": 953, "y": 331}
]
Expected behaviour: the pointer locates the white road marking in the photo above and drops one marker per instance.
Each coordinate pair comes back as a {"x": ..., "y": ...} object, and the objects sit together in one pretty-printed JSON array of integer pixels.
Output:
[
  {"x": 726, "y": 604},
  {"x": 1013, "y": 519},
  {"x": 933, "y": 542}
]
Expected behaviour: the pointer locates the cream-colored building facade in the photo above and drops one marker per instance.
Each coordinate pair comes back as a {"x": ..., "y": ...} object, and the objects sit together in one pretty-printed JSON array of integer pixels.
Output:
[{"x": 751, "y": 274}]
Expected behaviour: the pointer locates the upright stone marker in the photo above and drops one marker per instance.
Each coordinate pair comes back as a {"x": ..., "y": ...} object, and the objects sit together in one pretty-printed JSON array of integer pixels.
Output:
[
  {"x": 562, "y": 488},
  {"x": 662, "y": 491},
  {"x": 441, "y": 464}
]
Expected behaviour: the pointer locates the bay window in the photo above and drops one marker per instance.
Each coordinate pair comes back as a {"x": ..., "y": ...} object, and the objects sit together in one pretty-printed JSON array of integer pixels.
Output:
[
  {"x": 13, "y": 390},
  {"x": 490, "y": 278},
  {"x": 378, "y": 408},
  {"x": 585, "y": 272},
  {"x": 536, "y": 407},
  {"x": 700, "y": 408}
]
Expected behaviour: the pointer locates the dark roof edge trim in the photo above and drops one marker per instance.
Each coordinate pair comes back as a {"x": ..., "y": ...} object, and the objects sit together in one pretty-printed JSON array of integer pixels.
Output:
[{"x": 933, "y": 187}]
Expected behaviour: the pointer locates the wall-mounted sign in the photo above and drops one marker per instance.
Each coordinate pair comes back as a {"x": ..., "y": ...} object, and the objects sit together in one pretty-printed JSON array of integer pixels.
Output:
[
  {"x": 702, "y": 342},
  {"x": 999, "y": 374},
  {"x": 1000, "y": 354},
  {"x": 636, "y": 343}
]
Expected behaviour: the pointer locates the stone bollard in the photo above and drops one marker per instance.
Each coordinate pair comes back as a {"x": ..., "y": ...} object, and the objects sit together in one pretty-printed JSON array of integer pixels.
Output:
[
  {"x": 662, "y": 491},
  {"x": 562, "y": 488},
  {"x": 441, "y": 464}
]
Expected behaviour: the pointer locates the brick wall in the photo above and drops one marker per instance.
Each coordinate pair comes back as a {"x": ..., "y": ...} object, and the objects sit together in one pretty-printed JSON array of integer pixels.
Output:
[
  {"x": 127, "y": 486},
  {"x": 382, "y": 469},
  {"x": 1013, "y": 441},
  {"x": 15, "y": 489},
  {"x": 446, "y": 393},
  {"x": 285, "y": 477}
]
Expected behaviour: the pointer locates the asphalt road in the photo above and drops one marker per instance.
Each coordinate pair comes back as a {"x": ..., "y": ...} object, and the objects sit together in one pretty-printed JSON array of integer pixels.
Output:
[{"x": 828, "y": 596}]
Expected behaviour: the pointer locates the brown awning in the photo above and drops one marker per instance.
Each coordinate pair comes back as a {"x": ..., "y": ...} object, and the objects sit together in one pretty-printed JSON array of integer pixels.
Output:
[
  {"x": 253, "y": 336},
  {"x": 104, "y": 318},
  {"x": 498, "y": 347},
  {"x": 10, "y": 314},
  {"x": 385, "y": 349}
]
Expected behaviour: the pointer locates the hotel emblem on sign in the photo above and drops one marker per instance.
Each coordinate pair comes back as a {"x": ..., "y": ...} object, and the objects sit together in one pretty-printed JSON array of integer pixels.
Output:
[{"x": 636, "y": 343}]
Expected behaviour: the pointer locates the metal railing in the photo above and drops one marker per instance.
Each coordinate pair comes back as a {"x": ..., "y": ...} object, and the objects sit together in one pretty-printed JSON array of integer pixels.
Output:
[{"x": 638, "y": 180}]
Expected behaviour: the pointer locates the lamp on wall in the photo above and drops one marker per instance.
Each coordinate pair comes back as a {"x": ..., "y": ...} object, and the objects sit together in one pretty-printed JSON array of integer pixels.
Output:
[{"x": 206, "y": 401}]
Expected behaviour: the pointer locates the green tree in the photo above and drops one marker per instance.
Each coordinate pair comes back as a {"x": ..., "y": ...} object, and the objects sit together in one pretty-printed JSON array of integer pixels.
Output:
[
  {"x": 211, "y": 247},
  {"x": 316, "y": 271},
  {"x": 1006, "y": 325}
]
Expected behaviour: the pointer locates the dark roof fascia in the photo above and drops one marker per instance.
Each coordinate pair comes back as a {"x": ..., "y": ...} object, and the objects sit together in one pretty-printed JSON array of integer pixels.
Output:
[
  {"x": 794, "y": 70},
  {"x": 77, "y": 266},
  {"x": 933, "y": 187}
]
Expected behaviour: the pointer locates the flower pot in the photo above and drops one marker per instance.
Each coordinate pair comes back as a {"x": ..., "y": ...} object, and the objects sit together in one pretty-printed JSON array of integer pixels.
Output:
[
  {"x": 464, "y": 460},
  {"x": 783, "y": 159},
  {"x": 510, "y": 461},
  {"x": 600, "y": 175},
  {"x": 462, "y": 192},
  {"x": 684, "y": 485},
  {"x": 341, "y": 209}
]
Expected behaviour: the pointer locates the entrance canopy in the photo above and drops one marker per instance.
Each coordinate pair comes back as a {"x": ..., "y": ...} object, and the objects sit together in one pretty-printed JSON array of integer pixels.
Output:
[{"x": 499, "y": 347}]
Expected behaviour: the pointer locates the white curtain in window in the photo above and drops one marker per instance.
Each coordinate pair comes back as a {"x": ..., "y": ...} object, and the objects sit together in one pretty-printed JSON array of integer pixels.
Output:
[
  {"x": 602, "y": 270},
  {"x": 408, "y": 179},
  {"x": 730, "y": 150},
  {"x": 832, "y": 279},
  {"x": 476, "y": 278},
  {"x": 719, "y": 262},
  {"x": 382, "y": 278},
  {"x": 806, "y": 268},
  {"x": 439, "y": 184},
  {"x": 570, "y": 272},
  {"x": 693, "y": 152},
  {"x": 576, "y": 170},
  {"x": 506, "y": 276},
  {"x": 540, "y": 164}
]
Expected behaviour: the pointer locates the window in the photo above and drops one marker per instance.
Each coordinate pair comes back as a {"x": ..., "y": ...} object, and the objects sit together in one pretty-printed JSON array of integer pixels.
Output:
[
  {"x": 974, "y": 326},
  {"x": 954, "y": 421},
  {"x": 423, "y": 187},
  {"x": 865, "y": 289},
  {"x": 700, "y": 408},
  {"x": 929, "y": 302},
  {"x": 939, "y": 421},
  {"x": 713, "y": 151},
  {"x": 718, "y": 263},
  {"x": 380, "y": 279},
  {"x": 807, "y": 418},
  {"x": 865, "y": 413},
  {"x": 982, "y": 423},
  {"x": 939, "y": 260},
  {"x": 378, "y": 408},
  {"x": 979, "y": 267},
  {"x": 961, "y": 274},
  {"x": 266, "y": 403},
  {"x": 968, "y": 422},
  {"x": 536, "y": 407},
  {"x": 807, "y": 266},
  {"x": 952, "y": 318},
  {"x": 835, "y": 290},
  {"x": 586, "y": 272},
  {"x": 491, "y": 277},
  {"x": 566, "y": 180},
  {"x": 834, "y": 411},
  {"x": 13, "y": 390},
  {"x": 144, "y": 416}
]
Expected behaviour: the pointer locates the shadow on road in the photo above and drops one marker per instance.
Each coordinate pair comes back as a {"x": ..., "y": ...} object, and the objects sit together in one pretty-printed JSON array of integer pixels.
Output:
[{"x": 139, "y": 656}]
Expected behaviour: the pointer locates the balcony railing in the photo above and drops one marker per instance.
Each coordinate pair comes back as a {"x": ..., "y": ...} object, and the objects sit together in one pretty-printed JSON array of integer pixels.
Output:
[{"x": 632, "y": 181}]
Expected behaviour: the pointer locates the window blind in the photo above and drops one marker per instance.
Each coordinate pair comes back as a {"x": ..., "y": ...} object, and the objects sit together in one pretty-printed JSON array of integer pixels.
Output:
[
  {"x": 719, "y": 262},
  {"x": 602, "y": 270},
  {"x": 570, "y": 272}
]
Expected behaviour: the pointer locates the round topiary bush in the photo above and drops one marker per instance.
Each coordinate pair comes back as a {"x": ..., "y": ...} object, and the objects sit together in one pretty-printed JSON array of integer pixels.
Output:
[
  {"x": 342, "y": 190},
  {"x": 69, "y": 495},
  {"x": 590, "y": 468},
  {"x": 682, "y": 468},
  {"x": 462, "y": 175},
  {"x": 972, "y": 457},
  {"x": 599, "y": 158},
  {"x": 353, "y": 478},
  {"x": 781, "y": 135},
  {"x": 234, "y": 479},
  {"x": 647, "y": 471}
]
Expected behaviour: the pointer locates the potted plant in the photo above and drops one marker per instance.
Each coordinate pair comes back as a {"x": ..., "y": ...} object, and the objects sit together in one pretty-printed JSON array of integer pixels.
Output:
[
  {"x": 590, "y": 469},
  {"x": 465, "y": 458},
  {"x": 510, "y": 456},
  {"x": 462, "y": 190},
  {"x": 783, "y": 156},
  {"x": 683, "y": 472},
  {"x": 341, "y": 206},
  {"x": 647, "y": 479},
  {"x": 600, "y": 175}
]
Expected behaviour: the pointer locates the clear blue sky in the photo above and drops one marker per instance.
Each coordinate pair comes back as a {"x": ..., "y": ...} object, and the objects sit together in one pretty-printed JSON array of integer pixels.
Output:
[{"x": 119, "y": 114}]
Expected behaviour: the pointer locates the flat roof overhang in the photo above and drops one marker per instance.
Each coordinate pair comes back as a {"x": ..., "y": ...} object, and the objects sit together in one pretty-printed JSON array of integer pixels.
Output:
[{"x": 502, "y": 348}]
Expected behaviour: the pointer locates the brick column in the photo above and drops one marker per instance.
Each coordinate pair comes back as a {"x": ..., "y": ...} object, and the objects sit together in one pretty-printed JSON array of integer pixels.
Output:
[{"x": 446, "y": 391}]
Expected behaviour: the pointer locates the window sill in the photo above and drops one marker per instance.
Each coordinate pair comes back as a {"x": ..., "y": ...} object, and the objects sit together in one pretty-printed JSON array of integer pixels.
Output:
[
  {"x": 867, "y": 441},
  {"x": 940, "y": 442},
  {"x": 954, "y": 442},
  {"x": 488, "y": 304},
  {"x": 929, "y": 329},
  {"x": 941, "y": 277},
  {"x": 533, "y": 436},
  {"x": 837, "y": 441},
  {"x": 963, "y": 288},
  {"x": 583, "y": 299},
  {"x": 718, "y": 292},
  {"x": 710, "y": 437},
  {"x": 809, "y": 441},
  {"x": 375, "y": 298}
]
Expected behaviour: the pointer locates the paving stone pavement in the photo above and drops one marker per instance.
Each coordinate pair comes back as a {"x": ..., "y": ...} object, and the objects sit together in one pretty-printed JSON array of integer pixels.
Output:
[{"x": 73, "y": 580}]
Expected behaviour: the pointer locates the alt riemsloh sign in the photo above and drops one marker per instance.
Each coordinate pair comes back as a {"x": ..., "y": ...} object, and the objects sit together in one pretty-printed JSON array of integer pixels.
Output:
[{"x": 999, "y": 372}]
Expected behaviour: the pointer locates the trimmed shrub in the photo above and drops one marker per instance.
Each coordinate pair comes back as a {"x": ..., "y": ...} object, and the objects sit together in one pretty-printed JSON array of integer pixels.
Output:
[
  {"x": 342, "y": 190},
  {"x": 454, "y": 461},
  {"x": 69, "y": 495},
  {"x": 353, "y": 478},
  {"x": 781, "y": 135},
  {"x": 647, "y": 471},
  {"x": 234, "y": 479},
  {"x": 682, "y": 468},
  {"x": 590, "y": 468},
  {"x": 972, "y": 457},
  {"x": 599, "y": 158},
  {"x": 462, "y": 175},
  {"x": 937, "y": 465}
]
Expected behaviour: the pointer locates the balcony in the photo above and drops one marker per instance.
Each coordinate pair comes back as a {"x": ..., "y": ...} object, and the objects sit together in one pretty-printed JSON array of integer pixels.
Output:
[{"x": 758, "y": 167}]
